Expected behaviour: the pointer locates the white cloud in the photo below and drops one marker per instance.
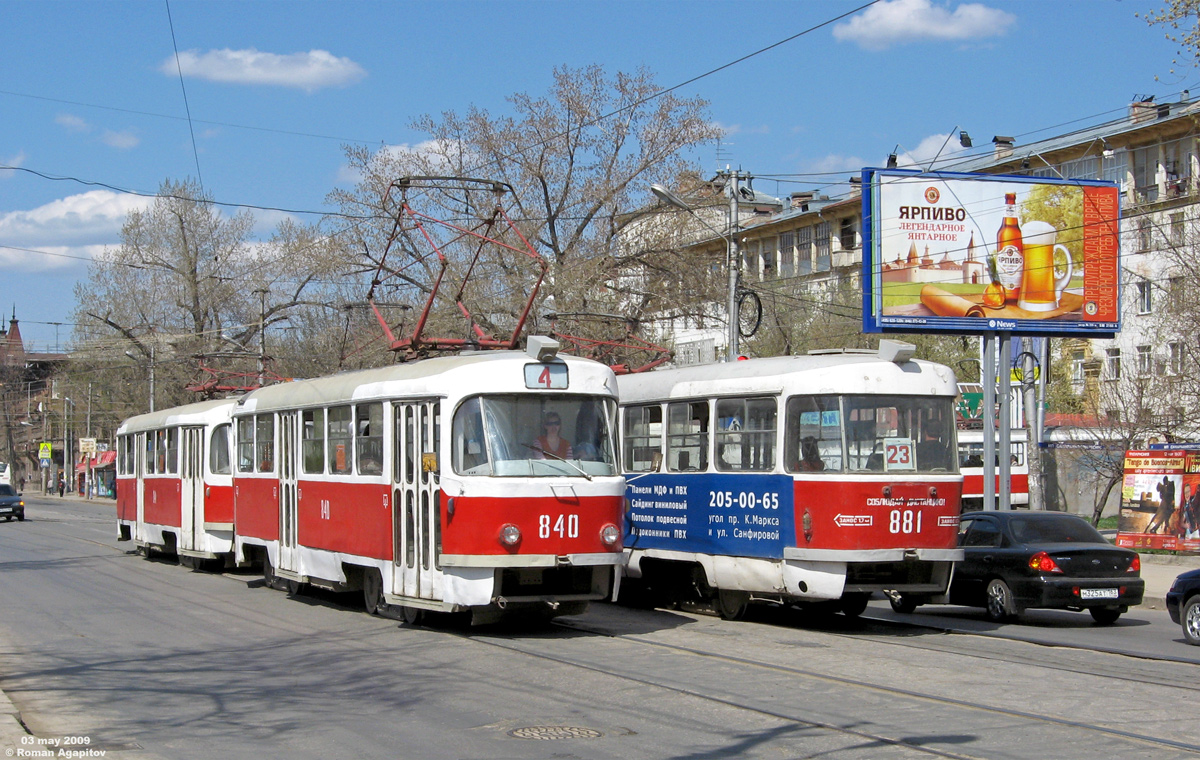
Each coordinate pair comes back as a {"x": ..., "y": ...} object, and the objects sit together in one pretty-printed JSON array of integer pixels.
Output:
[
  {"x": 72, "y": 122},
  {"x": 17, "y": 160},
  {"x": 306, "y": 71},
  {"x": 739, "y": 129},
  {"x": 901, "y": 21},
  {"x": 835, "y": 164},
  {"x": 433, "y": 151},
  {"x": 75, "y": 226},
  {"x": 122, "y": 140},
  {"x": 942, "y": 147}
]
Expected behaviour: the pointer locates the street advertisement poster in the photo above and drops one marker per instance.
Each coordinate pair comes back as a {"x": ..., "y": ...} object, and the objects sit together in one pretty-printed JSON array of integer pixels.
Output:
[
  {"x": 971, "y": 253},
  {"x": 1160, "y": 501},
  {"x": 711, "y": 513}
]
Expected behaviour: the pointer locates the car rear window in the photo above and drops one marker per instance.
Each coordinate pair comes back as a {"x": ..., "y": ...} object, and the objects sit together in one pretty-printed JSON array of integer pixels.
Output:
[{"x": 1054, "y": 530}]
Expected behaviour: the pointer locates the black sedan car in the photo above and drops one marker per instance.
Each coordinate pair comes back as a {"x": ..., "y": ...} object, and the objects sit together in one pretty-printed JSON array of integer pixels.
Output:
[
  {"x": 1014, "y": 561},
  {"x": 11, "y": 503},
  {"x": 1183, "y": 603}
]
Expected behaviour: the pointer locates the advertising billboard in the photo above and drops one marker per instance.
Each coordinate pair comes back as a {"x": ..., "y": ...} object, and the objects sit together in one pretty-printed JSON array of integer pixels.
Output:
[
  {"x": 971, "y": 253},
  {"x": 1160, "y": 501}
]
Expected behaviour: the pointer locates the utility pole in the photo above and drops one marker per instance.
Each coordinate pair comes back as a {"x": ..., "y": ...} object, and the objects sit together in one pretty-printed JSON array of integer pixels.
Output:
[
  {"x": 262, "y": 336},
  {"x": 734, "y": 266}
]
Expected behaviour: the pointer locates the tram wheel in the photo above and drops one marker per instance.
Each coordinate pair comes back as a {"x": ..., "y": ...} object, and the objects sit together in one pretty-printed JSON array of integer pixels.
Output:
[
  {"x": 413, "y": 616},
  {"x": 731, "y": 605},
  {"x": 269, "y": 576},
  {"x": 293, "y": 587},
  {"x": 1000, "y": 606},
  {"x": 905, "y": 604},
  {"x": 853, "y": 605},
  {"x": 372, "y": 584}
]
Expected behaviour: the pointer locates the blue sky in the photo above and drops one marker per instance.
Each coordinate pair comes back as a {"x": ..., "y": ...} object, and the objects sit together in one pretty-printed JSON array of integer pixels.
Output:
[{"x": 90, "y": 91}]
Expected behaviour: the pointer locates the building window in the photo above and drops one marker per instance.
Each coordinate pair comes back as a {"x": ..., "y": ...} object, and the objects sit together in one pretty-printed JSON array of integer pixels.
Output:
[
  {"x": 1144, "y": 361},
  {"x": 1112, "y": 364},
  {"x": 1078, "y": 359},
  {"x": 1145, "y": 297},
  {"x": 848, "y": 234},
  {"x": 768, "y": 258},
  {"x": 787, "y": 254},
  {"x": 822, "y": 247},
  {"x": 1177, "y": 229},
  {"x": 1143, "y": 231},
  {"x": 804, "y": 237},
  {"x": 1174, "y": 358}
]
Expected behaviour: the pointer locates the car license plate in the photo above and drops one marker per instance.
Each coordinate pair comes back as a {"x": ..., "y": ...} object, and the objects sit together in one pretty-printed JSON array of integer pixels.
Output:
[{"x": 1098, "y": 593}]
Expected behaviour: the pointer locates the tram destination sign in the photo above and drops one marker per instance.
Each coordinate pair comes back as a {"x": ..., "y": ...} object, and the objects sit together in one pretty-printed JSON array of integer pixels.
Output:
[{"x": 974, "y": 253}]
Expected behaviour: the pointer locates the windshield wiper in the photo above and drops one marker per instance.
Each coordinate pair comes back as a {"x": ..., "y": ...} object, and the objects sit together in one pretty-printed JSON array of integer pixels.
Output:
[{"x": 552, "y": 455}]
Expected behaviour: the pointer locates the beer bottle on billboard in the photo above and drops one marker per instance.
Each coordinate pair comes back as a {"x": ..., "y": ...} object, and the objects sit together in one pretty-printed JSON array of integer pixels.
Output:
[{"x": 1010, "y": 252}]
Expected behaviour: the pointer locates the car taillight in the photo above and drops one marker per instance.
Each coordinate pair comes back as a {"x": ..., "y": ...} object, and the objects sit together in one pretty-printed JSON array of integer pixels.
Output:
[
  {"x": 609, "y": 534},
  {"x": 510, "y": 535},
  {"x": 1135, "y": 566},
  {"x": 1044, "y": 563}
]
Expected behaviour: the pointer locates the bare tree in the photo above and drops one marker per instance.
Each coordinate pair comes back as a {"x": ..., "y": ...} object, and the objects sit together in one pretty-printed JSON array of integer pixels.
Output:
[
  {"x": 187, "y": 281},
  {"x": 574, "y": 157}
]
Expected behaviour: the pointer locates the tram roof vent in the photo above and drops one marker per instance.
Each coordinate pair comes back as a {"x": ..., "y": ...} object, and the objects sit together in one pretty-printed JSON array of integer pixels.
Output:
[
  {"x": 896, "y": 351},
  {"x": 829, "y": 351},
  {"x": 542, "y": 348}
]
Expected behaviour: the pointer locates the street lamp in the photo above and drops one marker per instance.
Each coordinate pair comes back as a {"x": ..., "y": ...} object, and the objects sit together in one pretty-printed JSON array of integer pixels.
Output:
[{"x": 732, "y": 259}]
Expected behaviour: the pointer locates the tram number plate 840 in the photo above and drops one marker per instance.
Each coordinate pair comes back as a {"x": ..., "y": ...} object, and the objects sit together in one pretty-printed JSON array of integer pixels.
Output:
[{"x": 564, "y": 526}]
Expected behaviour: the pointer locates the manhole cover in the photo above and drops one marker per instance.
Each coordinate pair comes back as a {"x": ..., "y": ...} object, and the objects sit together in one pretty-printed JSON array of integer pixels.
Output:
[{"x": 550, "y": 733}]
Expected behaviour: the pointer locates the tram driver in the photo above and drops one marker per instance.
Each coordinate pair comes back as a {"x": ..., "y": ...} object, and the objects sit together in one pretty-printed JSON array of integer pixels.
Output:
[
  {"x": 551, "y": 442},
  {"x": 933, "y": 452}
]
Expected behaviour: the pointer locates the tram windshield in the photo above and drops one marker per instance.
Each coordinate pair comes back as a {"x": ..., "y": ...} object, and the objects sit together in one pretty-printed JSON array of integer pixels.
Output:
[
  {"x": 527, "y": 435},
  {"x": 870, "y": 434}
]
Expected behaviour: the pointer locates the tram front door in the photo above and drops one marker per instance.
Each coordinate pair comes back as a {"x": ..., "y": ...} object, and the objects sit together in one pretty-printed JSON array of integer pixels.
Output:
[
  {"x": 191, "y": 489},
  {"x": 289, "y": 561},
  {"x": 416, "y": 519}
]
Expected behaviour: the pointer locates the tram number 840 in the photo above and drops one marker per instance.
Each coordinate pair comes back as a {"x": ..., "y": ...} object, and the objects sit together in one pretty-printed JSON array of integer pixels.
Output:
[
  {"x": 905, "y": 521},
  {"x": 566, "y": 526}
]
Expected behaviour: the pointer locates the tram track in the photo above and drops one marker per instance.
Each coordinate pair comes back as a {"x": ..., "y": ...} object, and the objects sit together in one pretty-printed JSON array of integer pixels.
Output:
[{"x": 920, "y": 743}]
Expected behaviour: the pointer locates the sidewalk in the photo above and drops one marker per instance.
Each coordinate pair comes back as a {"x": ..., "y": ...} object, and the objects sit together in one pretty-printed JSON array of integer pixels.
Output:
[{"x": 1159, "y": 571}]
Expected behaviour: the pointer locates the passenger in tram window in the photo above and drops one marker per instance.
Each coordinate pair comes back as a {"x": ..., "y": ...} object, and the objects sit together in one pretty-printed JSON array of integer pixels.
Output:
[
  {"x": 810, "y": 457},
  {"x": 932, "y": 451},
  {"x": 551, "y": 441}
]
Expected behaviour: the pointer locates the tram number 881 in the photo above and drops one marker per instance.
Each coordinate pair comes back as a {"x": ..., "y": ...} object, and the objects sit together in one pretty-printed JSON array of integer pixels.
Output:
[
  {"x": 905, "y": 521},
  {"x": 566, "y": 526}
]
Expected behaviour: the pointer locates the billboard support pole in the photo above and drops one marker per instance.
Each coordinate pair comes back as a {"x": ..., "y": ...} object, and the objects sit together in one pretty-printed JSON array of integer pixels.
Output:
[
  {"x": 989, "y": 419},
  {"x": 1005, "y": 444}
]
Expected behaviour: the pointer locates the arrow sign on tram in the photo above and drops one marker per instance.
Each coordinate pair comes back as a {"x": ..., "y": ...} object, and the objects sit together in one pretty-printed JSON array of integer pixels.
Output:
[{"x": 849, "y": 521}]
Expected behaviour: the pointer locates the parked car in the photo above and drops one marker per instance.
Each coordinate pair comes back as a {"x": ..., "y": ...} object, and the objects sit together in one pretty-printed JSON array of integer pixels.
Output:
[
  {"x": 11, "y": 503},
  {"x": 1183, "y": 603},
  {"x": 1019, "y": 560}
]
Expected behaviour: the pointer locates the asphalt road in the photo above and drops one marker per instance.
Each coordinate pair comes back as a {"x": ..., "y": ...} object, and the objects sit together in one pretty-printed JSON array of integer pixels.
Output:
[{"x": 146, "y": 659}]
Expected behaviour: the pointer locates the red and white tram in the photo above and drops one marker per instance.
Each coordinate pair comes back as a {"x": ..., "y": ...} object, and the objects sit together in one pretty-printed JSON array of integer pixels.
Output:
[
  {"x": 432, "y": 485},
  {"x": 174, "y": 482},
  {"x": 819, "y": 478}
]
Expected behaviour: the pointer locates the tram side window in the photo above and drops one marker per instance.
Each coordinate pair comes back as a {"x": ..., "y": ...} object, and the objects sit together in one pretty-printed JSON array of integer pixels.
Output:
[
  {"x": 218, "y": 451},
  {"x": 264, "y": 442},
  {"x": 341, "y": 440},
  {"x": 812, "y": 434},
  {"x": 172, "y": 438},
  {"x": 151, "y": 461},
  {"x": 687, "y": 436},
  {"x": 745, "y": 434},
  {"x": 470, "y": 453},
  {"x": 312, "y": 445},
  {"x": 368, "y": 446},
  {"x": 245, "y": 444},
  {"x": 643, "y": 437},
  {"x": 160, "y": 451}
]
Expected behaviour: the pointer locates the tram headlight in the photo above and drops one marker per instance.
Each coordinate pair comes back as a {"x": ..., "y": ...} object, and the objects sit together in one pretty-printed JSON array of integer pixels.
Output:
[
  {"x": 510, "y": 535},
  {"x": 610, "y": 534}
]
